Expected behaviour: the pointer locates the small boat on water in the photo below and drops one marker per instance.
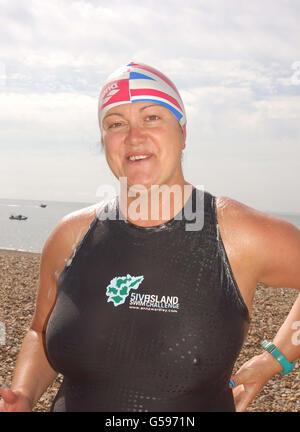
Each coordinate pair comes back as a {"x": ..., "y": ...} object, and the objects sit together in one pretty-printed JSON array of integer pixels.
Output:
[
  {"x": 43, "y": 205},
  {"x": 18, "y": 217}
]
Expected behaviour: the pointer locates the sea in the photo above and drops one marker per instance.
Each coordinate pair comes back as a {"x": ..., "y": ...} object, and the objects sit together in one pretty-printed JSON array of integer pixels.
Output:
[{"x": 31, "y": 234}]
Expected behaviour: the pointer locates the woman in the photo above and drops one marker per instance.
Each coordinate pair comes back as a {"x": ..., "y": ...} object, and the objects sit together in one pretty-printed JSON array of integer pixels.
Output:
[{"x": 148, "y": 314}]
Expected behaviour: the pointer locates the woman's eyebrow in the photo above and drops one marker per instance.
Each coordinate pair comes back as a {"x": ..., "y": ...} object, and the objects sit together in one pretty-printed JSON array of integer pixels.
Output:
[
  {"x": 148, "y": 106},
  {"x": 112, "y": 114},
  {"x": 121, "y": 115}
]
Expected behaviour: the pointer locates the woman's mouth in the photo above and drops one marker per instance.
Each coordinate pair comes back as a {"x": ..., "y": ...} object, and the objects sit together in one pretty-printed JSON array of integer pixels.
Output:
[{"x": 134, "y": 158}]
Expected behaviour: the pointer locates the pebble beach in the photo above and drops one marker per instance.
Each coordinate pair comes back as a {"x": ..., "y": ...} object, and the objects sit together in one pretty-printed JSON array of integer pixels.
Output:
[{"x": 19, "y": 275}]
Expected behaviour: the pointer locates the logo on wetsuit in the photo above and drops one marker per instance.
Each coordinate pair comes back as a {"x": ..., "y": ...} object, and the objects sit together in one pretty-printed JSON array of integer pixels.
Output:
[
  {"x": 120, "y": 286},
  {"x": 152, "y": 302}
]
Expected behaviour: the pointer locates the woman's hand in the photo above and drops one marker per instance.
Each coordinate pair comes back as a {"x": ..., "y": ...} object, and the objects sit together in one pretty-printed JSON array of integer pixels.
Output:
[
  {"x": 13, "y": 401},
  {"x": 251, "y": 377}
]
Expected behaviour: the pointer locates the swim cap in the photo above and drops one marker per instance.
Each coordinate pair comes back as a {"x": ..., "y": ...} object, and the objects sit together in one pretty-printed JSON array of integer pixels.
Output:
[{"x": 137, "y": 82}]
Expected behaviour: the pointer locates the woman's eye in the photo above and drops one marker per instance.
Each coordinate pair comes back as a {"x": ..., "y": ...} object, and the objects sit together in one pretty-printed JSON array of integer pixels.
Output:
[
  {"x": 114, "y": 125},
  {"x": 152, "y": 117}
]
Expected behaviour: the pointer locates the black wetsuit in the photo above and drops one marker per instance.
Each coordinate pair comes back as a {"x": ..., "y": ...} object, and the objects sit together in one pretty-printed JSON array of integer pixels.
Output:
[{"x": 147, "y": 319}]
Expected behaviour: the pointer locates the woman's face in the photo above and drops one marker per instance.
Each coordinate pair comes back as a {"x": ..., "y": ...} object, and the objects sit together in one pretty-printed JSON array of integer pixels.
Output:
[{"x": 143, "y": 141}]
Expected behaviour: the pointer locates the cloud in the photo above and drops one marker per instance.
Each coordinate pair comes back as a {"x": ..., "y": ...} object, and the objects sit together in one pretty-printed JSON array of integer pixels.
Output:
[
  {"x": 53, "y": 119},
  {"x": 80, "y": 32},
  {"x": 232, "y": 62},
  {"x": 66, "y": 174},
  {"x": 73, "y": 45}
]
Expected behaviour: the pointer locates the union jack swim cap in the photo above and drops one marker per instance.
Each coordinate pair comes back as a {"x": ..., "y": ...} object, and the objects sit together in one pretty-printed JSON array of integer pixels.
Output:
[{"x": 137, "y": 82}]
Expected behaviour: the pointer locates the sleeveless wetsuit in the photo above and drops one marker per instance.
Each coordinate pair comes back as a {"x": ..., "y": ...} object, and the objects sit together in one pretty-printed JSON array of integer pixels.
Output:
[{"x": 147, "y": 319}]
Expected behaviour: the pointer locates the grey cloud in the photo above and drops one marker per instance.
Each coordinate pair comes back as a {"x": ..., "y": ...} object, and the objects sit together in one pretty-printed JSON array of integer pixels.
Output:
[
  {"x": 24, "y": 78},
  {"x": 164, "y": 30},
  {"x": 231, "y": 59},
  {"x": 18, "y": 11}
]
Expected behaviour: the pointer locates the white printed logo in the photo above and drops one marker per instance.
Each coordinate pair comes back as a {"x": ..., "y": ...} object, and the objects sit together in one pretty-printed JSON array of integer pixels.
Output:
[
  {"x": 110, "y": 91},
  {"x": 154, "y": 302}
]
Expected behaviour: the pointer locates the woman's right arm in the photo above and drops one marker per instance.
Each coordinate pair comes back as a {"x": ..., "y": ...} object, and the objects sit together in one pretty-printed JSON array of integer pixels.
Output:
[{"x": 33, "y": 373}]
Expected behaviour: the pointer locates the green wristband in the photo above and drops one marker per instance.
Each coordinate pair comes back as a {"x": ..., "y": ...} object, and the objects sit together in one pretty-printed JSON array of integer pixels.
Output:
[{"x": 272, "y": 349}]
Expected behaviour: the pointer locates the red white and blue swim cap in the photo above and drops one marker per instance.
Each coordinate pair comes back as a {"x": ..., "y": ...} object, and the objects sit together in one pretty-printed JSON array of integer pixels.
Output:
[{"x": 137, "y": 82}]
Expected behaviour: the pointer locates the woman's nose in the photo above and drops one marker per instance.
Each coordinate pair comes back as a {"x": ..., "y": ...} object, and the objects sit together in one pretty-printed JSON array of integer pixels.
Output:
[{"x": 135, "y": 135}]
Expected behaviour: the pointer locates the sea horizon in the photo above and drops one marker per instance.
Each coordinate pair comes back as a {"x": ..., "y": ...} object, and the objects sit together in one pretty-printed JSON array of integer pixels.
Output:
[{"x": 30, "y": 235}]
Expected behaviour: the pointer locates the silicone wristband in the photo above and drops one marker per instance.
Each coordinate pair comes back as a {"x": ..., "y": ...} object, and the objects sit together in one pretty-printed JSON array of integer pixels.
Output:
[{"x": 272, "y": 349}]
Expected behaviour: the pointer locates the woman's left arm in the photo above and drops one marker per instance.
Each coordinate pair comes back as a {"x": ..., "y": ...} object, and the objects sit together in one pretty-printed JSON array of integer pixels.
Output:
[
  {"x": 256, "y": 372},
  {"x": 277, "y": 254}
]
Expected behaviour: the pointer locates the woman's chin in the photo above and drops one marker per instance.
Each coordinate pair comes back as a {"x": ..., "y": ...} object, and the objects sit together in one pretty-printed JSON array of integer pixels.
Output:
[{"x": 139, "y": 182}]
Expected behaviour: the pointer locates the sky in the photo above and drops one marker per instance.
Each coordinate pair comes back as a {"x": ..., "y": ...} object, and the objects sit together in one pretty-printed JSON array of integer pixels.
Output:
[{"x": 235, "y": 63}]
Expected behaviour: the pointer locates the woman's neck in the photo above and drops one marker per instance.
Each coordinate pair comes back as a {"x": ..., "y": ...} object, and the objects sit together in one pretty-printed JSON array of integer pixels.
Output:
[{"x": 154, "y": 205}]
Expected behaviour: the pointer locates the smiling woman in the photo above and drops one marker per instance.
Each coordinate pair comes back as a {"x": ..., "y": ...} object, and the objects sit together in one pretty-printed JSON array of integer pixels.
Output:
[
  {"x": 146, "y": 314},
  {"x": 143, "y": 124},
  {"x": 143, "y": 142}
]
